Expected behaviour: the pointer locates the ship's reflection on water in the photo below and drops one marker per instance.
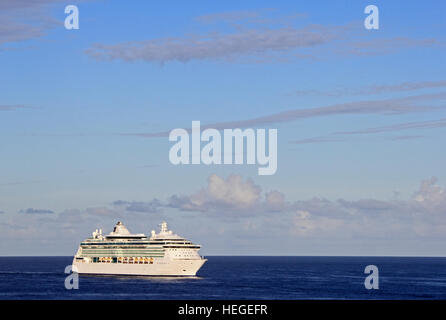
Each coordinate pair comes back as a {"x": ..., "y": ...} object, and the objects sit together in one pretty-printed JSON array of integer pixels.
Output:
[{"x": 167, "y": 279}]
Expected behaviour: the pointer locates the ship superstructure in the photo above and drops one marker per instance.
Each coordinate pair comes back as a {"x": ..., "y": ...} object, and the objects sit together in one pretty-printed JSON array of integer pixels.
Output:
[{"x": 123, "y": 253}]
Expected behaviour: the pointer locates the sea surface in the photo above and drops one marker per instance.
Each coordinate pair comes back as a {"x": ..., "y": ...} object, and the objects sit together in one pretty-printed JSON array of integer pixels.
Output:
[{"x": 235, "y": 278}]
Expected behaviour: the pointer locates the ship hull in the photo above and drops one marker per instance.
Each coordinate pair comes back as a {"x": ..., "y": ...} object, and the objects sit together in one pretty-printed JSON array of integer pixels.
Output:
[{"x": 161, "y": 268}]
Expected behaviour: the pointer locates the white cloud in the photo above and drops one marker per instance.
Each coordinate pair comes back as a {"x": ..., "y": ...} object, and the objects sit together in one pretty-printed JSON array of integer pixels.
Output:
[
  {"x": 232, "y": 193},
  {"x": 275, "y": 201},
  {"x": 240, "y": 210},
  {"x": 430, "y": 192}
]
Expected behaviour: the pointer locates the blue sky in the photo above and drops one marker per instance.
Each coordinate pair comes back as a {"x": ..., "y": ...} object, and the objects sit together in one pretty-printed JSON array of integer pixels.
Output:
[{"x": 360, "y": 117}]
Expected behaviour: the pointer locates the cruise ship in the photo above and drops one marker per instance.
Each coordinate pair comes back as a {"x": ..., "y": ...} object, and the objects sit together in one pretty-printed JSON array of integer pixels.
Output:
[{"x": 123, "y": 253}]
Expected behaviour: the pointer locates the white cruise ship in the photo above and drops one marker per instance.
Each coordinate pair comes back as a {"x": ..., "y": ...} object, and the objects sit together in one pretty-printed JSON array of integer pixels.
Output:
[{"x": 123, "y": 253}]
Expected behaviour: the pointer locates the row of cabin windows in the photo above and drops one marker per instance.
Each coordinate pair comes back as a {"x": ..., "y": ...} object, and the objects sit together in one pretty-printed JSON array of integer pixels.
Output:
[{"x": 122, "y": 260}]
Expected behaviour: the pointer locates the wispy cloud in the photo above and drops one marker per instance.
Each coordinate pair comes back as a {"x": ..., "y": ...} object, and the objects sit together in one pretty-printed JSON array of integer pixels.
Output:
[
  {"x": 36, "y": 211},
  {"x": 256, "y": 35},
  {"x": 22, "y": 20},
  {"x": 333, "y": 139},
  {"x": 413, "y": 137},
  {"x": 316, "y": 140},
  {"x": 335, "y": 136},
  {"x": 216, "y": 45},
  {"x": 375, "y": 89},
  {"x": 410, "y": 104},
  {"x": 229, "y": 16},
  {"x": 431, "y": 124},
  {"x": 12, "y": 107},
  {"x": 386, "y": 45},
  {"x": 259, "y": 17},
  {"x": 25, "y": 4},
  {"x": 154, "y": 206},
  {"x": 148, "y": 166},
  {"x": 16, "y": 183}
]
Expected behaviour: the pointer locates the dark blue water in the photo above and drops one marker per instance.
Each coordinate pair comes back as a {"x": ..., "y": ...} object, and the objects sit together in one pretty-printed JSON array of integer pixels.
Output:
[{"x": 236, "y": 278}]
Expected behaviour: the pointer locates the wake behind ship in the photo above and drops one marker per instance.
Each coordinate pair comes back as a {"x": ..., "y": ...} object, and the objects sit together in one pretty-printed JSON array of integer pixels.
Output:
[{"x": 123, "y": 253}]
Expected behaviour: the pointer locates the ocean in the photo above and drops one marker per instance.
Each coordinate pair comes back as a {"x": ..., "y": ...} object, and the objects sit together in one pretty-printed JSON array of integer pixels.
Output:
[{"x": 235, "y": 277}]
